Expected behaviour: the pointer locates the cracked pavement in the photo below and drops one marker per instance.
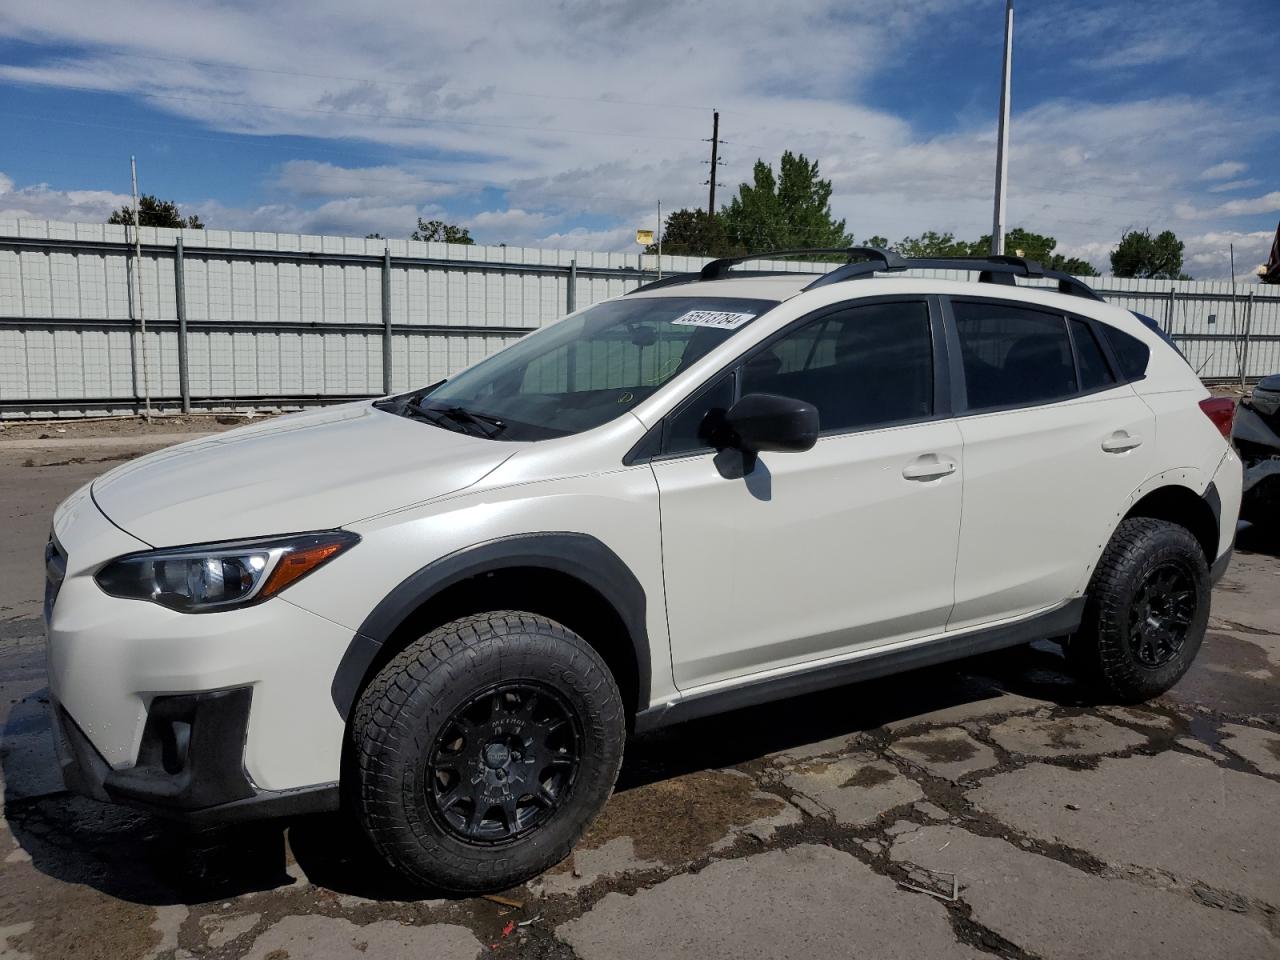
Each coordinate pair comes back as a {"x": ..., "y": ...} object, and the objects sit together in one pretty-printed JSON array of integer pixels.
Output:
[{"x": 979, "y": 808}]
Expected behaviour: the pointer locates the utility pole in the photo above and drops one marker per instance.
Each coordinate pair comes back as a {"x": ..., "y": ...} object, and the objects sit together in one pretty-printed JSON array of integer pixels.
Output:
[
  {"x": 1002, "y": 136},
  {"x": 715, "y": 162},
  {"x": 659, "y": 239},
  {"x": 137, "y": 284}
]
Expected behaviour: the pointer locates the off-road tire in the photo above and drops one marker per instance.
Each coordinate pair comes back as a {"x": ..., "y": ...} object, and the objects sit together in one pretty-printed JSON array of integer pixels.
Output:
[
  {"x": 400, "y": 716},
  {"x": 1104, "y": 650}
]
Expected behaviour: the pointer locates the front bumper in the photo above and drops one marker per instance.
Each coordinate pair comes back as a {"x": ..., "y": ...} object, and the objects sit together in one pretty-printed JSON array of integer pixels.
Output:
[
  {"x": 190, "y": 766},
  {"x": 225, "y": 713}
]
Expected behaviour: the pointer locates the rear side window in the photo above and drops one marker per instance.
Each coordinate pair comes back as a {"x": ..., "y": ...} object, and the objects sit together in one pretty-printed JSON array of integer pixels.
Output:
[
  {"x": 1131, "y": 353},
  {"x": 1095, "y": 373},
  {"x": 1013, "y": 356}
]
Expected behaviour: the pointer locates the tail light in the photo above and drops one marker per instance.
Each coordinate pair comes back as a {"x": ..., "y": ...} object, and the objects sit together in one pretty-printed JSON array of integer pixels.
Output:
[{"x": 1222, "y": 411}]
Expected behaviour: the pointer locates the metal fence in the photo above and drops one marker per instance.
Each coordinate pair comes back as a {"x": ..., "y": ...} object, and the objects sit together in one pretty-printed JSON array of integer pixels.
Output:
[{"x": 244, "y": 320}]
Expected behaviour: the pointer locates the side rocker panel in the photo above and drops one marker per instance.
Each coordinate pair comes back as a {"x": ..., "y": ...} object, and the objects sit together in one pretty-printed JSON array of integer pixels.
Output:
[{"x": 576, "y": 554}]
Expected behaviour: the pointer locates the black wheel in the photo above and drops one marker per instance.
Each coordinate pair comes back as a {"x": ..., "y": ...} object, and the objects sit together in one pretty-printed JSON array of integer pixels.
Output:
[
  {"x": 484, "y": 749},
  {"x": 1146, "y": 611}
]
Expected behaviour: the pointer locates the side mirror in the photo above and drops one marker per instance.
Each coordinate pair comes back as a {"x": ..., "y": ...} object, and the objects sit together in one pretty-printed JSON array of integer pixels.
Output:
[{"x": 763, "y": 421}]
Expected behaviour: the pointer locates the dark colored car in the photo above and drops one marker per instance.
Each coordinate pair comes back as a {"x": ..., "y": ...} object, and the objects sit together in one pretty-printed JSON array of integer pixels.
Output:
[{"x": 1256, "y": 435}]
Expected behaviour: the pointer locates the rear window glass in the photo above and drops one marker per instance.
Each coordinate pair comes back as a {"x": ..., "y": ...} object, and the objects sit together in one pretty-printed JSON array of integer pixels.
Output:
[
  {"x": 1094, "y": 371},
  {"x": 1013, "y": 356},
  {"x": 1131, "y": 353}
]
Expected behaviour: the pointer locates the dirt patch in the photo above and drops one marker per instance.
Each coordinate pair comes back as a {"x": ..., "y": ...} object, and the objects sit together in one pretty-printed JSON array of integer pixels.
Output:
[
  {"x": 679, "y": 819},
  {"x": 869, "y": 777},
  {"x": 119, "y": 427},
  {"x": 944, "y": 750},
  {"x": 71, "y": 920}
]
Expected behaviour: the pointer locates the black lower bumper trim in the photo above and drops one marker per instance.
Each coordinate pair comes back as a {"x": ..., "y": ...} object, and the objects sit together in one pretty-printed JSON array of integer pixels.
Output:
[{"x": 190, "y": 764}]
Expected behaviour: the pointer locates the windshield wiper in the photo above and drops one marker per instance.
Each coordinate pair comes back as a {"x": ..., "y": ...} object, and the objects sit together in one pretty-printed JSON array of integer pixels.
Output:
[{"x": 458, "y": 419}]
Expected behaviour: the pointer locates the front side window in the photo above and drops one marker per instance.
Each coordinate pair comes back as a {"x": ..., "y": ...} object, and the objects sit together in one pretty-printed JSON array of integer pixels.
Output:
[
  {"x": 861, "y": 366},
  {"x": 1012, "y": 355},
  {"x": 584, "y": 371}
]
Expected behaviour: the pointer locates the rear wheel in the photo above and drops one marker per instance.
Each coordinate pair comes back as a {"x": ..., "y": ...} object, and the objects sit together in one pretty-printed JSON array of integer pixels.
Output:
[
  {"x": 1146, "y": 611},
  {"x": 484, "y": 750}
]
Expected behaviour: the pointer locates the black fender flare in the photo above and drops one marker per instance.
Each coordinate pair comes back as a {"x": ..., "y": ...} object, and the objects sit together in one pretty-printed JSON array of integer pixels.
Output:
[{"x": 576, "y": 554}]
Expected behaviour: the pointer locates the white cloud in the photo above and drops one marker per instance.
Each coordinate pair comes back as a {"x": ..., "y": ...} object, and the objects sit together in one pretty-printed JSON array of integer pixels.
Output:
[
  {"x": 41, "y": 202},
  {"x": 1221, "y": 171},
  {"x": 1234, "y": 185}
]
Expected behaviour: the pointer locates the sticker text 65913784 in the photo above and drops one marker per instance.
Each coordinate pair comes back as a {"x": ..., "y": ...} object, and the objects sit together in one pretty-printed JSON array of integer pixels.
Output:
[{"x": 719, "y": 319}]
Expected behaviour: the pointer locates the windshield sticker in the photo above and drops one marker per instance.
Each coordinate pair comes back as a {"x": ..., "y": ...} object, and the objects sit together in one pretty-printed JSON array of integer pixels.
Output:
[{"x": 719, "y": 319}]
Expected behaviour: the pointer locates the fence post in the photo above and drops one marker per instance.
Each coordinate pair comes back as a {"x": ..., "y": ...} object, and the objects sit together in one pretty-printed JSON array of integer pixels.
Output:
[
  {"x": 1168, "y": 311},
  {"x": 180, "y": 298},
  {"x": 1248, "y": 328},
  {"x": 386, "y": 319},
  {"x": 571, "y": 298}
]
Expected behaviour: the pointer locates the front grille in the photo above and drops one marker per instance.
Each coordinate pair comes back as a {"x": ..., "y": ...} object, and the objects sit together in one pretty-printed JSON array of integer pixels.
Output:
[{"x": 55, "y": 569}]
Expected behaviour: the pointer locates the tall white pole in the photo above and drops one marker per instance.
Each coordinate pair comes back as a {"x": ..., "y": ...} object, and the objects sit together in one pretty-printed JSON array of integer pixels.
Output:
[
  {"x": 1002, "y": 139},
  {"x": 659, "y": 239},
  {"x": 137, "y": 285}
]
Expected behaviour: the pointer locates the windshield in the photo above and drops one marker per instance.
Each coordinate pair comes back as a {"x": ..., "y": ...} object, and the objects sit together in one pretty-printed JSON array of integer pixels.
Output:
[{"x": 583, "y": 371}]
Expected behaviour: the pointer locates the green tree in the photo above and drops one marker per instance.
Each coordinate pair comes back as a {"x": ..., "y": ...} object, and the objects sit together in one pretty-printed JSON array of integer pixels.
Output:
[
  {"x": 1038, "y": 247},
  {"x": 155, "y": 213},
  {"x": 441, "y": 232},
  {"x": 933, "y": 244},
  {"x": 1153, "y": 258},
  {"x": 792, "y": 209},
  {"x": 693, "y": 233}
]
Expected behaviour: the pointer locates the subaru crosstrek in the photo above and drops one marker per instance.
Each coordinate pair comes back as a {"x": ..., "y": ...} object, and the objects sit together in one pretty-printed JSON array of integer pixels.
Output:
[{"x": 446, "y": 610}]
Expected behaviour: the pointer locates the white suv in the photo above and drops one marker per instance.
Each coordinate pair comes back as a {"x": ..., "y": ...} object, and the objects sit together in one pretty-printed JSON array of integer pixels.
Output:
[{"x": 449, "y": 608}]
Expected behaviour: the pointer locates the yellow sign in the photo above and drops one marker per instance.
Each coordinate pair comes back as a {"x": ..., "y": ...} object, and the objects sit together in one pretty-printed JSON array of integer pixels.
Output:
[{"x": 644, "y": 236}]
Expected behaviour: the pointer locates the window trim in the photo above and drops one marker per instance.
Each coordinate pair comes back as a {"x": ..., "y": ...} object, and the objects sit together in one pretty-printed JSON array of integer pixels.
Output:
[
  {"x": 960, "y": 396},
  {"x": 943, "y": 384}
]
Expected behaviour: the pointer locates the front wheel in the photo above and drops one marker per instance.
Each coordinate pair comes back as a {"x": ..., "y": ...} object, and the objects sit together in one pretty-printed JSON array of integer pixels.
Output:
[
  {"x": 485, "y": 749},
  {"x": 1146, "y": 611}
]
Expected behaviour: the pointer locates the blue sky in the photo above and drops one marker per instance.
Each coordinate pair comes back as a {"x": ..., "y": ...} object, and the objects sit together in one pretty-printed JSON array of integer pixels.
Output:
[{"x": 564, "y": 125}]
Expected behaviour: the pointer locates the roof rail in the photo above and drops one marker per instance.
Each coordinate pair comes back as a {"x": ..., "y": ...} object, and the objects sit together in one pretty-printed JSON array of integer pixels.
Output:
[
  {"x": 995, "y": 268},
  {"x": 868, "y": 261}
]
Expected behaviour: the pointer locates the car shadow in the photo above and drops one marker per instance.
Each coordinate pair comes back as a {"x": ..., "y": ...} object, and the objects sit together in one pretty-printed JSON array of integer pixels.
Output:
[{"x": 140, "y": 858}]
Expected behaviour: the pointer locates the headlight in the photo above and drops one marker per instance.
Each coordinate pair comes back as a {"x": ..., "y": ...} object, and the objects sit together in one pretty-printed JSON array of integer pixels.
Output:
[{"x": 219, "y": 576}]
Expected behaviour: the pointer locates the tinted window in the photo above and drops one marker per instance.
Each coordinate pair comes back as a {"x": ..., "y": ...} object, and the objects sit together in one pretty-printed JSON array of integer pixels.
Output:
[
  {"x": 1131, "y": 353},
  {"x": 861, "y": 367},
  {"x": 696, "y": 425},
  {"x": 1013, "y": 356},
  {"x": 1094, "y": 372}
]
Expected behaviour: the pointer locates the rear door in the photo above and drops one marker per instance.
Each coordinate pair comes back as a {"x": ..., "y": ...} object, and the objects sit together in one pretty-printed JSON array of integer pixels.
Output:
[{"x": 1054, "y": 445}]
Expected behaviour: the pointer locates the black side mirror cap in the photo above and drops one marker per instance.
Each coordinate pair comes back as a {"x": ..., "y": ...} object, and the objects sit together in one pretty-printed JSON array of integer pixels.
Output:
[{"x": 764, "y": 421}]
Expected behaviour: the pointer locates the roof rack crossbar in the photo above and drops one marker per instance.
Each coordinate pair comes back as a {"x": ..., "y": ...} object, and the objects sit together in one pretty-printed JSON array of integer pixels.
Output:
[{"x": 718, "y": 269}]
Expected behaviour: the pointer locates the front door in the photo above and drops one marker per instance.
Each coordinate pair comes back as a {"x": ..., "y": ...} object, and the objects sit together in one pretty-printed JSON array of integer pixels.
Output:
[{"x": 813, "y": 555}]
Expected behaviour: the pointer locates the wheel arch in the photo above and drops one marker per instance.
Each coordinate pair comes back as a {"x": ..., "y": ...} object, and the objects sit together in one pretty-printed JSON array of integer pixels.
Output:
[
  {"x": 572, "y": 578},
  {"x": 1201, "y": 514}
]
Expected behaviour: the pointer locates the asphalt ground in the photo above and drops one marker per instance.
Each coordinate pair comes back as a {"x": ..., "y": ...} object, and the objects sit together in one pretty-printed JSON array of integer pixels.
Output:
[{"x": 982, "y": 808}]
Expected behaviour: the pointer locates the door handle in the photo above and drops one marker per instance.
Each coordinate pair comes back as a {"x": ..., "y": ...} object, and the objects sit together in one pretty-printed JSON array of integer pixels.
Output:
[
  {"x": 1121, "y": 441},
  {"x": 929, "y": 467}
]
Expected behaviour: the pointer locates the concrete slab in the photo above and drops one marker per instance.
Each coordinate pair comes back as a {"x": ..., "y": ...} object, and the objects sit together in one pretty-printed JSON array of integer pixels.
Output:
[
  {"x": 220, "y": 929},
  {"x": 987, "y": 703},
  {"x": 334, "y": 938},
  {"x": 616, "y": 857},
  {"x": 1172, "y": 812},
  {"x": 1063, "y": 736},
  {"x": 804, "y": 902},
  {"x": 856, "y": 790},
  {"x": 1236, "y": 673},
  {"x": 948, "y": 752},
  {"x": 1260, "y": 747},
  {"x": 1058, "y": 912}
]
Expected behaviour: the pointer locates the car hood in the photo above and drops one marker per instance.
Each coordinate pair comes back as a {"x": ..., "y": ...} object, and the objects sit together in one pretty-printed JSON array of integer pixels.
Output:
[{"x": 308, "y": 471}]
